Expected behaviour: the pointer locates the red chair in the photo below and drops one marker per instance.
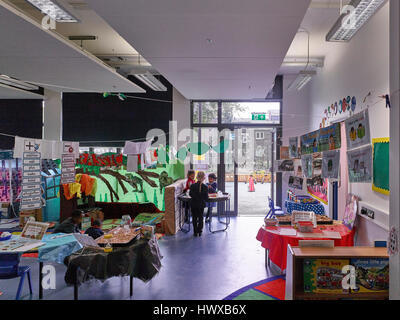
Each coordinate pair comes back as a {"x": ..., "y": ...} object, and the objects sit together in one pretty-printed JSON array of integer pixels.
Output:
[{"x": 10, "y": 269}]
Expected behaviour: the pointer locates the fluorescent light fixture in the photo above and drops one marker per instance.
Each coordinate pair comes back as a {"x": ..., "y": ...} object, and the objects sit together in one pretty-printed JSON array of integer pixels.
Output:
[
  {"x": 151, "y": 81},
  {"x": 303, "y": 61},
  {"x": 302, "y": 79},
  {"x": 53, "y": 10},
  {"x": 349, "y": 23},
  {"x": 6, "y": 80}
]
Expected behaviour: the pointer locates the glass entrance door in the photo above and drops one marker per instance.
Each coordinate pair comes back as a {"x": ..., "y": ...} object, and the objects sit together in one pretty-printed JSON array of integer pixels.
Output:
[{"x": 254, "y": 180}]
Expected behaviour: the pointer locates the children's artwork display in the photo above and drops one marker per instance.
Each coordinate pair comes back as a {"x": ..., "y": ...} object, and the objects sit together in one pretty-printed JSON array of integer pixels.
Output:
[
  {"x": 284, "y": 152},
  {"x": 324, "y": 275},
  {"x": 293, "y": 147},
  {"x": 330, "y": 164},
  {"x": 296, "y": 182},
  {"x": 360, "y": 165},
  {"x": 372, "y": 275},
  {"x": 321, "y": 140},
  {"x": 317, "y": 164},
  {"x": 318, "y": 188},
  {"x": 381, "y": 166},
  {"x": 285, "y": 166},
  {"x": 357, "y": 130},
  {"x": 309, "y": 142},
  {"x": 329, "y": 138},
  {"x": 306, "y": 163}
]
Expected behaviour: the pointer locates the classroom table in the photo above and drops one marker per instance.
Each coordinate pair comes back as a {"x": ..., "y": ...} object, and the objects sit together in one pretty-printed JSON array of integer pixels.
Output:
[
  {"x": 276, "y": 244},
  {"x": 317, "y": 207},
  {"x": 141, "y": 259},
  {"x": 57, "y": 247},
  {"x": 223, "y": 208}
]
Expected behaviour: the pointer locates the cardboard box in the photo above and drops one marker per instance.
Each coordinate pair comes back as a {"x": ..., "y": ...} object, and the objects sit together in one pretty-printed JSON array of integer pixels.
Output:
[{"x": 24, "y": 216}]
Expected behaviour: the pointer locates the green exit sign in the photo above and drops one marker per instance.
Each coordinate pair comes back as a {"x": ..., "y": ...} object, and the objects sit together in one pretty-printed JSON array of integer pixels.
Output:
[{"x": 259, "y": 116}]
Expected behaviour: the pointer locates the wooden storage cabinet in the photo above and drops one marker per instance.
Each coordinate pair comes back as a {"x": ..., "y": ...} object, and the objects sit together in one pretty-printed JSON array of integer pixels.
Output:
[{"x": 295, "y": 277}]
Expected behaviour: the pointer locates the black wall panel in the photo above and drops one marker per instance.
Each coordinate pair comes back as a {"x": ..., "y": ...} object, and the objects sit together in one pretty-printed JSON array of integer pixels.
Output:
[
  {"x": 21, "y": 118},
  {"x": 91, "y": 117}
]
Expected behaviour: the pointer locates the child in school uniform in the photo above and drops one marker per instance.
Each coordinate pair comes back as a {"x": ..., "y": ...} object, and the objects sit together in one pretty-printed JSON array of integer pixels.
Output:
[
  {"x": 212, "y": 188},
  {"x": 199, "y": 195},
  {"x": 95, "y": 230}
]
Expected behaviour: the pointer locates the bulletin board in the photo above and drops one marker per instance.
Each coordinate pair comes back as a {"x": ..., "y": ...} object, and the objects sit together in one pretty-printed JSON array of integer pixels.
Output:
[{"x": 381, "y": 165}]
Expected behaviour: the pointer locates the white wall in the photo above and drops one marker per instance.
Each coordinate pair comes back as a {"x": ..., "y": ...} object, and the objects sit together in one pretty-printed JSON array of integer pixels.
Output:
[
  {"x": 296, "y": 121},
  {"x": 354, "y": 69}
]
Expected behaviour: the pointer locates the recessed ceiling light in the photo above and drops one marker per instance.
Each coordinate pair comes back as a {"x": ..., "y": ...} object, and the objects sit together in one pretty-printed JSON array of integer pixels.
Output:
[{"x": 53, "y": 10}]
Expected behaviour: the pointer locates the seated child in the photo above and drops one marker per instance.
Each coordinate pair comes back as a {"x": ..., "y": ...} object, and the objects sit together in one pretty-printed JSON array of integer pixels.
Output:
[
  {"x": 95, "y": 230},
  {"x": 212, "y": 188},
  {"x": 70, "y": 225}
]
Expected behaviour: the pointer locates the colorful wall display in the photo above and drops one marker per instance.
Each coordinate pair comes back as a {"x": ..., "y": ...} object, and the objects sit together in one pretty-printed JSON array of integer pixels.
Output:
[
  {"x": 360, "y": 165},
  {"x": 293, "y": 147},
  {"x": 381, "y": 166},
  {"x": 284, "y": 166},
  {"x": 358, "y": 130},
  {"x": 330, "y": 164},
  {"x": 309, "y": 142},
  {"x": 318, "y": 188},
  {"x": 321, "y": 140},
  {"x": 329, "y": 138},
  {"x": 296, "y": 182},
  {"x": 31, "y": 181},
  {"x": 306, "y": 163}
]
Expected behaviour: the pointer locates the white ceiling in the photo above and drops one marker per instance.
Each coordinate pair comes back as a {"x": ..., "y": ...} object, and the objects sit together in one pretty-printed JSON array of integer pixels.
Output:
[
  {"x": 30, "y": 53},
  {"x": 11, "y": 93},
  {"x": 249, "y": 41}
]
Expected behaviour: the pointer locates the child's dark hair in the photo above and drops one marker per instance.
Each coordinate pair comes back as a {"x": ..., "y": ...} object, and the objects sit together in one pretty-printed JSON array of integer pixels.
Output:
[
  {"x": 212, "y": 176},
  {"x": 190, "y": 172},
  {"x": 96, "y": 223},
  {"x": 76, "y": 214}
]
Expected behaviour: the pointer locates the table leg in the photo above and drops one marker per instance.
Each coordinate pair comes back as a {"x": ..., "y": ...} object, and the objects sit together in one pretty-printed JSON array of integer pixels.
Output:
[
  {"x": 76, "y": 287},
  {"x": 225, "y": 208},
  {"x": 40, "y": 280},
  {"x": 182, "y": 214},
  {"x": 131, "y": 286}
]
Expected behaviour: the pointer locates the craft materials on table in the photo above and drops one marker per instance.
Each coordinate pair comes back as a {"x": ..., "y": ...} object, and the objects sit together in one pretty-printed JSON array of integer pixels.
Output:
[
  {"x": 119, "y": 236},
  {"x": 315, "y": 207},
  {"x": 276, "y": 243}
]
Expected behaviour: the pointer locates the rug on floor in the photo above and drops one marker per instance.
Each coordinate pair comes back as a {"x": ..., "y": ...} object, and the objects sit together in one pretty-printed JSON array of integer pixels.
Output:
[{"x": 269, "y": 289}]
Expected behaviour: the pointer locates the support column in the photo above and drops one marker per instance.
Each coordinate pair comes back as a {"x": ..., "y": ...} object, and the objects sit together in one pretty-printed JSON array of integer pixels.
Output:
[
  {"x": 395, "y": 141},
  {"x": 52, "y": 115}
]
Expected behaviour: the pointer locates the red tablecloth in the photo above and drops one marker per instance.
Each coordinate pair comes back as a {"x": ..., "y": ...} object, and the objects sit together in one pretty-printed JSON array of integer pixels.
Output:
[{"x": 277, "y": 244}]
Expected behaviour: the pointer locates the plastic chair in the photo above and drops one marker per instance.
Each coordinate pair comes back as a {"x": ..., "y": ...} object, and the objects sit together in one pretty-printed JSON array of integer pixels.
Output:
[
  {"x": 274, "y": 211},
  {"x": 10, "y": 269}
]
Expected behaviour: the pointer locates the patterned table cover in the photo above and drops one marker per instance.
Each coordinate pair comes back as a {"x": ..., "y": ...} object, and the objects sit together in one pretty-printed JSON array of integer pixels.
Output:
[{"x": 294, "y": 206}]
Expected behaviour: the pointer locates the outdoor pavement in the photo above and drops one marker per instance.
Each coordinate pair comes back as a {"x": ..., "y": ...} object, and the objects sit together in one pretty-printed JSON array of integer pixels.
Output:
[{"x": 251, "y": 203}]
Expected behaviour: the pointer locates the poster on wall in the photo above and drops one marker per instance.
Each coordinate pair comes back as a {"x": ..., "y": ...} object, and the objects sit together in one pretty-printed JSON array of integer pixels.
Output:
[
  {"x": 296, "y": 182},
  {"x": 298, "y": 169},
  {"x": 360, "y": 165},
  {"x": 31, "y": 197},
  {"x": 309, "y": 142},
  {"x": 330, "y": 164},
  {"x": 284, "y": 166},
  {"x": 381, "y": 166},
  {"x": 306, "y": 163},
  {"x": 293, "y": 147},
  {"x": 357, "y": 130},
  {"x": 284, "y": 152},
  {"x": 318, "y": 188},
  {"x": 329, "y": 138},
  {"x": 316, "y": 164}
]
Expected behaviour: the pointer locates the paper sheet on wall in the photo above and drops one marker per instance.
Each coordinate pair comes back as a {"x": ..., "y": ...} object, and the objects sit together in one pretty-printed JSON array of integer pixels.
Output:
[
  {"x": 48, "y": 149},
  {"x": 360, "y": 165},
  {"x": 358, "y": 130},
  {"x": 330, "y": 164}
]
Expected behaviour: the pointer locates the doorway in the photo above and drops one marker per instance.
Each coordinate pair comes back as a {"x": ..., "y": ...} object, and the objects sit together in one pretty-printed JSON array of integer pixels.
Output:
[{"x": 250, "y": 128}]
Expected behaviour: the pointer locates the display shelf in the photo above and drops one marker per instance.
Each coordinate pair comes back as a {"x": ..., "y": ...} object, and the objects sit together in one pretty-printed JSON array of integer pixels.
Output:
[{"x": 295, "y": 278}]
